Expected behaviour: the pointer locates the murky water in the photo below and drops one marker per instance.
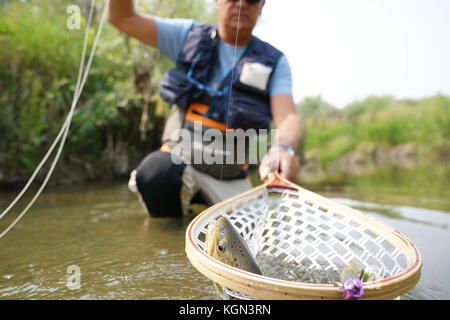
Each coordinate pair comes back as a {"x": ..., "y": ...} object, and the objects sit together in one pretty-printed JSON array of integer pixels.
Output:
[{"x": 123, "y": 254}]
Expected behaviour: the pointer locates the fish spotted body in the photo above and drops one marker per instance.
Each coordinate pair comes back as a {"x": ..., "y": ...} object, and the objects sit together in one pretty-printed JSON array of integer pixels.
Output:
[{"x": 225, "y": 244}]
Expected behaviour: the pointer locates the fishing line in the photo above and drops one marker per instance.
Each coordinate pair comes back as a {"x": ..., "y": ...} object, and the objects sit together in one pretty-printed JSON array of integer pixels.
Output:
[
  {"x": 55, "y": 142},
  {"x": 65, "y": 128},
  {"x": 232, "y": 75}
]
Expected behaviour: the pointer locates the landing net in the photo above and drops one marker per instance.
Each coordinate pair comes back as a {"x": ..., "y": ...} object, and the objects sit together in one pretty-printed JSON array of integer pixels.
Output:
[{"x": 302, "y": 241}]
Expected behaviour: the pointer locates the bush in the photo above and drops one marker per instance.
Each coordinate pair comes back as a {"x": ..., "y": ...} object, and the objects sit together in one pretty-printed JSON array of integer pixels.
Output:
[
  {"x": 38, "y": 71},
  {"x": 379, "y": 120}
]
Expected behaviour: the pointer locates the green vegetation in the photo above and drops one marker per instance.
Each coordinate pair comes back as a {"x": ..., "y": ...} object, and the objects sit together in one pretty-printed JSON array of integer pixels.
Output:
[
  {"x": 119, "y": 117},
  {"x": 376, "y": 121},
  {"x": 425, "y": 185}
]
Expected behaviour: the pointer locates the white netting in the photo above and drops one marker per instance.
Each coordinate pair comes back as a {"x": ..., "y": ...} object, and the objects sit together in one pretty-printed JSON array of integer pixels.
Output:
[{"x": 284, "y": 224}]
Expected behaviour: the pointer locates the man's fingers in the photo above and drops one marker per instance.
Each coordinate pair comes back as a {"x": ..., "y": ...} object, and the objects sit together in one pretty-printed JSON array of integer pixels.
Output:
[
  {"x": 263, "y": 172},
  {"x": 283, "y": 162},
  {"x": 269, "y": 164}
]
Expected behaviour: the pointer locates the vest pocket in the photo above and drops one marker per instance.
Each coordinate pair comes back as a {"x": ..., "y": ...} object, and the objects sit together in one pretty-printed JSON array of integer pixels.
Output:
[
  {"x": 246, "y": 112},
  {"x": 176, "y": 88}
]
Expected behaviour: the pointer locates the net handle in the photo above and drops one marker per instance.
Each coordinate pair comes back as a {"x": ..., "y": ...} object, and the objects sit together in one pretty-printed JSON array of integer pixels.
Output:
[{"x": 274, "y": 180}]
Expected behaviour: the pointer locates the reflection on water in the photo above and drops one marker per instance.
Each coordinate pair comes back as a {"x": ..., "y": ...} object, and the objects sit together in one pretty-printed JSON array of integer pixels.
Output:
[
  {"x": 426, "y": 185},
  {"x": 123, "y": 254}
]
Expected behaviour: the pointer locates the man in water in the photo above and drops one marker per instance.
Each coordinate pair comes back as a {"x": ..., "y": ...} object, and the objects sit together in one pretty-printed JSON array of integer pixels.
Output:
[{"x": 225, "y": 78}]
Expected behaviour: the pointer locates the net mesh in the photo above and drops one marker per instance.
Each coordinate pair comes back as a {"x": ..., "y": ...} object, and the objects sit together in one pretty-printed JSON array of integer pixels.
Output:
[{"x": 297, "y": 231}]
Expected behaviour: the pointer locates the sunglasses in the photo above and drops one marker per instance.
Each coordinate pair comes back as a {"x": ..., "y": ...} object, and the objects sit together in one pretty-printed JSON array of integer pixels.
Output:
[{"x": 248, "y": 1}]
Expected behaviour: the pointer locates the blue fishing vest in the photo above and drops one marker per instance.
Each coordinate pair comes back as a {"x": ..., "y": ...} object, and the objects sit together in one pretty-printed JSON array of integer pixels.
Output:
[{"x": 248, "y": 106}]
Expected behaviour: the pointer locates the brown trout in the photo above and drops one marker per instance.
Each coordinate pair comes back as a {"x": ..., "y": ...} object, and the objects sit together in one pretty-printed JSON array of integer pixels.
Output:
[{"x": 225, "y": 244}]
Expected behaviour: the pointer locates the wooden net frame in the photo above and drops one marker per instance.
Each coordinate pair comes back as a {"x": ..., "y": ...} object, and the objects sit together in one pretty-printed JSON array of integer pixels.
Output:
[{"x": 290, "y": 223}]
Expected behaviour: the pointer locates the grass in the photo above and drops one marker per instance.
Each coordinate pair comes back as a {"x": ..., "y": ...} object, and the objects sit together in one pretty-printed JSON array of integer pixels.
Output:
[{"x": 381, "y": 121}]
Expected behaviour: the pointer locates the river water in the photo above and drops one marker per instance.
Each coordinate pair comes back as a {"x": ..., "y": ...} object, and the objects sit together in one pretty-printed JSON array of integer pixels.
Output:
[{"x": 103, "y": 232}]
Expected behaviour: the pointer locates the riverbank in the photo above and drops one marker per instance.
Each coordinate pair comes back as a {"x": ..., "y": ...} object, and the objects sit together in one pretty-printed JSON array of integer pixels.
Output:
[
  {"x": 406, "y": 178},
  {"x": 366, "y": 159},
  {"x": 369, "y": 158},
  {"x": 375, "y": 133},
  {"x": 382, "y": 121}
]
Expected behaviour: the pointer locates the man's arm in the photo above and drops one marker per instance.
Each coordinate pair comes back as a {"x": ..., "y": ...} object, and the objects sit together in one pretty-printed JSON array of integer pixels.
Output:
[
  {"x": 287, "y": 120},
  {"x": 122, "y": 15},
  {"x": 289, "y": 133}
]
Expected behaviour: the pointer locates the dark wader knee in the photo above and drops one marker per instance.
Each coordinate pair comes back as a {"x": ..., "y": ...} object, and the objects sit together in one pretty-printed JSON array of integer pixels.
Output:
[{"x": 159, "y": 182}]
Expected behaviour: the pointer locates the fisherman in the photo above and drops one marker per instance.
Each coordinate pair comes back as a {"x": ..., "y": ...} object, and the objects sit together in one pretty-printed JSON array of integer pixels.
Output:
[{"x": 225, "y": 79}]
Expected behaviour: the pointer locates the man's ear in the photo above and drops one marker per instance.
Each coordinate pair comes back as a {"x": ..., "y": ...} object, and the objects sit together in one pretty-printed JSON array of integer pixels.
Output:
[{"x": 262, "y": 6}]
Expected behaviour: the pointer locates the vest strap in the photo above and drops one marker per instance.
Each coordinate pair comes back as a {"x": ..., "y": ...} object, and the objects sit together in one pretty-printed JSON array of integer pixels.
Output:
[{"x": 197, "y": 112}]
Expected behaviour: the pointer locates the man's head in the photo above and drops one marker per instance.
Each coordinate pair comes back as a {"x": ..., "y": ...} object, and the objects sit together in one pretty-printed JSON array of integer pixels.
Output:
[{"x": 230, "y": 19}]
